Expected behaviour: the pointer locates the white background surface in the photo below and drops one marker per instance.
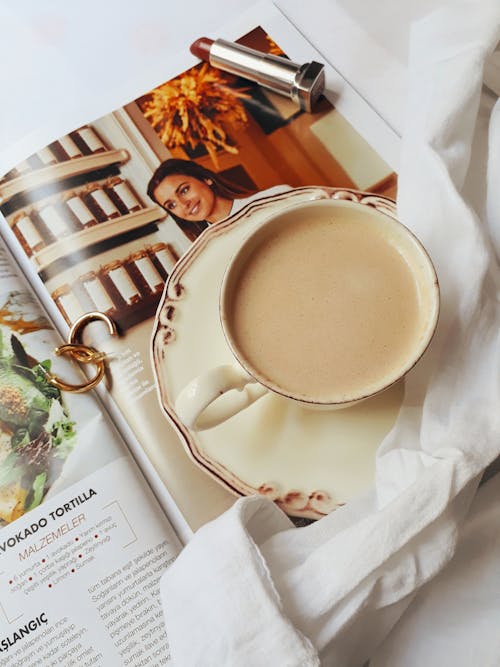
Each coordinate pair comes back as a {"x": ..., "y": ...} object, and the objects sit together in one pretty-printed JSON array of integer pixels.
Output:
[{"x": 64, "y": 63}]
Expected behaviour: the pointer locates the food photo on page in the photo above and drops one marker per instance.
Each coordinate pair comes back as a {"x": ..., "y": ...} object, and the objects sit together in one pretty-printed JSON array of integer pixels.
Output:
[{"x": 37, "y": 433}]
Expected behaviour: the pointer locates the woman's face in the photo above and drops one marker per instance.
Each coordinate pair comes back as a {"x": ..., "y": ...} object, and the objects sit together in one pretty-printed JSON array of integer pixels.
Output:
[{"x": 186, "y": 197}]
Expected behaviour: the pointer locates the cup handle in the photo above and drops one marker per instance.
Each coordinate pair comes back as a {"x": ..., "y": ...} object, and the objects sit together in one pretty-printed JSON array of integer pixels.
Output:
[{"x": 215, "y": 396}]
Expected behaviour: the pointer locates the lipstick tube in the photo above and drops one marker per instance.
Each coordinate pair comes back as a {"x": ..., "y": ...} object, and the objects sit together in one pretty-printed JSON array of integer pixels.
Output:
[{"x": 302, "y": 83}]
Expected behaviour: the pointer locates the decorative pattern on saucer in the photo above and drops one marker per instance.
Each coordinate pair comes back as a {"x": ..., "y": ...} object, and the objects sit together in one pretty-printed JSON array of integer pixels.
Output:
[
  {"x": 297, "y": 503},
  {"x": 308, "y": 462}
]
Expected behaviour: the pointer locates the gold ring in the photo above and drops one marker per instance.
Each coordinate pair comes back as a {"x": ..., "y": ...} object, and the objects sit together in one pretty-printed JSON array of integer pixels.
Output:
[
  {"x": 81, "y": 323},
  {"x": 83, "y": 354}
]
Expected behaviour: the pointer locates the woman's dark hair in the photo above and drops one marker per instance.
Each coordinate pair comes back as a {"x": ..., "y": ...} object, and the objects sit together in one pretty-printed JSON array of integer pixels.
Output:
[{"x": 220, "y": 185}]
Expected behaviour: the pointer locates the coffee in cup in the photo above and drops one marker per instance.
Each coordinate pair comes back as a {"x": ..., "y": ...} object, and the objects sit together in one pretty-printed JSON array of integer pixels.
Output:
[{"x": 327, "y": 303}]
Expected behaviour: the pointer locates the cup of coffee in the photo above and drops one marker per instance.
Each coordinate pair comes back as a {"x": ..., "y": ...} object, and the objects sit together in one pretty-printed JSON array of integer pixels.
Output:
[{"x": 326, "y": 304}]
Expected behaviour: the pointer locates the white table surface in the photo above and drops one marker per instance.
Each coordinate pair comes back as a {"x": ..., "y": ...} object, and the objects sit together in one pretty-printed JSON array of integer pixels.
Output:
[{"x": 59, "y": 54}]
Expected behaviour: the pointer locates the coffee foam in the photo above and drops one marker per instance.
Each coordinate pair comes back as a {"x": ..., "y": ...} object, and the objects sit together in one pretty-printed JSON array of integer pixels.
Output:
[{"x": 325, "y": 304}]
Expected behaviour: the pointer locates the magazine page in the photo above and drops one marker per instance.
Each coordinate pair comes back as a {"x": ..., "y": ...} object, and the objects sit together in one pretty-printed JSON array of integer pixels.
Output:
[
  {"x": 77, "y": 519},
  {"x": 101, "y": 216}
]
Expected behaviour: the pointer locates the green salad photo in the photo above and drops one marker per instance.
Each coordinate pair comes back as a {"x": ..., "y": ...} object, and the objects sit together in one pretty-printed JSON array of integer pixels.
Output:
[{"x": 36, "y": 433}]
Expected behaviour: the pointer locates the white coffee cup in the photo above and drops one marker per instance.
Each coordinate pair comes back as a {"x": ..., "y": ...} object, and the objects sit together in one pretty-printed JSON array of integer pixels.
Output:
[{"x": 369, "y": 297}]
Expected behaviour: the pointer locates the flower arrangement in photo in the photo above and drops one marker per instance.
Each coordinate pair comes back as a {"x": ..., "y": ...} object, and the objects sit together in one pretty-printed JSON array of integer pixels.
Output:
[{"x": 196, "y": 107}]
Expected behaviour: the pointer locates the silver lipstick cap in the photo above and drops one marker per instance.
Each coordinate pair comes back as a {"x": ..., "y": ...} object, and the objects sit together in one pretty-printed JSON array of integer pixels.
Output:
[{"x": 301, "y": 83}]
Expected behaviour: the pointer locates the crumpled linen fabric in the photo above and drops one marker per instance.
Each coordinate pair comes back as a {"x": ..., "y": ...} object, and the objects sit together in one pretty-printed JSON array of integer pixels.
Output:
[
  {"x": 249, "y": 589},
  {"x": 453, "y": 620}
]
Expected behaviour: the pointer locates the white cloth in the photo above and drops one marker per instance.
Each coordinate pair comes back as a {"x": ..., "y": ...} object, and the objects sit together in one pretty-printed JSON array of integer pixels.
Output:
[
  {"x": 249, "y": 589},
  {"x": 454, "y": 619}
]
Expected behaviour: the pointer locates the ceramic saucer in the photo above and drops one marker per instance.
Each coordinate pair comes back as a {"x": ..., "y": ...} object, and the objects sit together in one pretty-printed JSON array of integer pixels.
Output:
[{"x": 308, "y": 461}]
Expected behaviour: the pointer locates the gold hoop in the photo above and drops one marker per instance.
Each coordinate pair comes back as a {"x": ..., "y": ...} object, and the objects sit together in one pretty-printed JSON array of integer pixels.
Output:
[
  {"x": 79, "y": 324},
  {"x": 83, "y": 354}
]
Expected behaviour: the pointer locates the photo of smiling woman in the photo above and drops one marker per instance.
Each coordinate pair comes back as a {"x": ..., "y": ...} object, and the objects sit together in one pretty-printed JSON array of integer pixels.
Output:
[{"x": 196, "y": 197}]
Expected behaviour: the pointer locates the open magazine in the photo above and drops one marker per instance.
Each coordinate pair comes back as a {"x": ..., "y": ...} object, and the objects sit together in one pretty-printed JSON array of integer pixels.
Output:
[{"x": 98, "y": 492}]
